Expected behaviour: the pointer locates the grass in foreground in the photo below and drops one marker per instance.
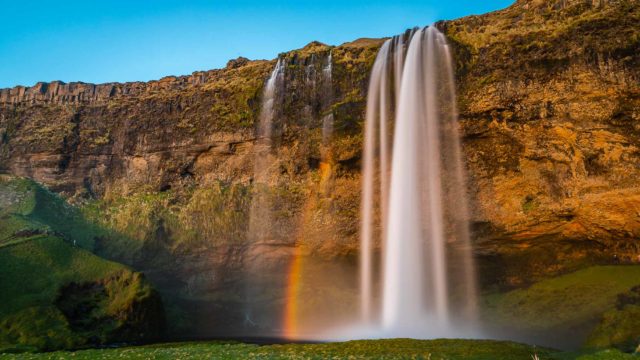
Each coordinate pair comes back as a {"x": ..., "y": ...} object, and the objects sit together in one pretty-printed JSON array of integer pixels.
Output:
[{"x": 363, "y": 349}]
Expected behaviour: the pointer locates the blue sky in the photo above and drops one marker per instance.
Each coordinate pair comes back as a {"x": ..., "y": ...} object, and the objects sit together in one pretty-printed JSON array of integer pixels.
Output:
[{"x": 117, "y": 40}]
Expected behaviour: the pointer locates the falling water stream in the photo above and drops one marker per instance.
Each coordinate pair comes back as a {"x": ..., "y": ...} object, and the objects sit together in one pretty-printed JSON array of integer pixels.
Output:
[
  {"x": 327, "y": 89},
  {"x": 261, "y": 233},
  {"x": 414, "y": 215},
  {"x": 414, "y": 188},
  {"x": 260, "y": 217}
]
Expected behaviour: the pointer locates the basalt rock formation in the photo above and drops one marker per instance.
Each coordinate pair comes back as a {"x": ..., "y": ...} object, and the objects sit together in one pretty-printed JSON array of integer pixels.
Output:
[{"x": 549, "y": 100}]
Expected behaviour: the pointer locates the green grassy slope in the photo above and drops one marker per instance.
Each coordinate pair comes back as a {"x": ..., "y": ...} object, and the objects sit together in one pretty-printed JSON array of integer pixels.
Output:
[
  {"x": 27, "y": 208},
  {"x": 620, "y": 327},
  {"x": 55, "y": 293},
  {"x": 34, "y": 270},
  {"x": 572, "y": 304}
]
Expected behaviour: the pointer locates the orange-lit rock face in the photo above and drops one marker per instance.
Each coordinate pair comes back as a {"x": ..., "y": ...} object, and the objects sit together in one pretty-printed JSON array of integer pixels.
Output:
[
  {"x": 549, "y": 109},
  {"x": 549, "y": 103}
]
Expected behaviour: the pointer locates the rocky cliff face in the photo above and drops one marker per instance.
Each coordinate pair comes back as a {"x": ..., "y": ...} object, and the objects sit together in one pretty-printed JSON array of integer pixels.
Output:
[
  {"x": 549, "y": 102},
  {"x": 169, "y": 167}
]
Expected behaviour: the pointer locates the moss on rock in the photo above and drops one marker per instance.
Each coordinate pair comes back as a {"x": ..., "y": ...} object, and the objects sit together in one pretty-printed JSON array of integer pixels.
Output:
[
  {"x": 571, "y": 306},
  {"x": 619, "y": 327}
]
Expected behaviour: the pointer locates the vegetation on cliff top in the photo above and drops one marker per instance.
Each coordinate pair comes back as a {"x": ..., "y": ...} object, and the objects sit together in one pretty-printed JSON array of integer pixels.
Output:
[{"x": 547, "y": 33}]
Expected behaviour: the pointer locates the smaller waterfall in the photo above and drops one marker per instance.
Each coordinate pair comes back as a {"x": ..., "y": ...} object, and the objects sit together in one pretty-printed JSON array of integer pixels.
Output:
[
  {"x": 260, "y": 217},
  {"x": 327, "y": 89},
  {"x": 267, "y": 111}
]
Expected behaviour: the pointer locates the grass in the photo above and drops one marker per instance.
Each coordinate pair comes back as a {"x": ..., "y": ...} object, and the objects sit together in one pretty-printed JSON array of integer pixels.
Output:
[
  {"x": 33, "y": 275},
  {"x": 208, "y": 216},
  {"x": 619, "y": 328},
  {"x": 33, "y": 271},
  {"x": 362, "y": 349}
]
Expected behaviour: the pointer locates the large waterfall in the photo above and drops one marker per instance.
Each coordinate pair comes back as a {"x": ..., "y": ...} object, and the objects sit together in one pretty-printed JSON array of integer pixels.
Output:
[{"x": 414, "y": 194}]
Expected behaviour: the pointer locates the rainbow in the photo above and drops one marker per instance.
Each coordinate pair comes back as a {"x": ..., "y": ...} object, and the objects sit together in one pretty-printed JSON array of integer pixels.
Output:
[
  {"x": 294, "y": 281},
  {"x": 295, "y": 274}
]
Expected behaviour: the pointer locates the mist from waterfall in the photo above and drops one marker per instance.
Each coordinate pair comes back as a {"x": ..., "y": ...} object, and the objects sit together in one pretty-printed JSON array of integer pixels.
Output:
[{"x": 414, "y": 207}]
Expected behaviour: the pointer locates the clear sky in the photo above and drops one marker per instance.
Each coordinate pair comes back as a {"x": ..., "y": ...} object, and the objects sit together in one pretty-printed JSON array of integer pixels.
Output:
[{"x": 126, "y": 40}]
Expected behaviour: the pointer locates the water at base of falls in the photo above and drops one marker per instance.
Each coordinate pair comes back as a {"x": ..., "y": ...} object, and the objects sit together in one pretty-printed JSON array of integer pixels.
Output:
[{"x": 413, "y": 179}]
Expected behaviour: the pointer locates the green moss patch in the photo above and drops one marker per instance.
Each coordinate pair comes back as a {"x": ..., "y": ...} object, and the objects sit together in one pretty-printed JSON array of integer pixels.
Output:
[
  {"x": 217, "y": 214},
  {"x": 572, "y": 303}
]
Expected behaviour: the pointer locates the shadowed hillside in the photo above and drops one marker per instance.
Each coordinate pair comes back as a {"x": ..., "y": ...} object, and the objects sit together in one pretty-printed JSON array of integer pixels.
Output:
[{"x": 54, "y": 292}]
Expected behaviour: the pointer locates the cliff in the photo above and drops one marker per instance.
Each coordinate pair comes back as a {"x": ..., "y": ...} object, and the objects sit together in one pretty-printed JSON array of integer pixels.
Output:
[{"x": 549, "y": 101}]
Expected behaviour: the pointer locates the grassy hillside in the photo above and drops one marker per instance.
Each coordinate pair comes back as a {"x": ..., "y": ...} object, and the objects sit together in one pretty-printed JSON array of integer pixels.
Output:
[
  {"x": 54, "y": 293},
  {"x": 597, "y": 302},
  {"x": 28, "y": 209}
]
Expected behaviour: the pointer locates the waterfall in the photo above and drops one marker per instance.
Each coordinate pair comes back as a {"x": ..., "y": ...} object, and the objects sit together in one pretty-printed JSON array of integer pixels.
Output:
[
  {"x": 260, "y": 217},
  {"x": 415, "y": 190},
  {"x": 327, "y": 89}
]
